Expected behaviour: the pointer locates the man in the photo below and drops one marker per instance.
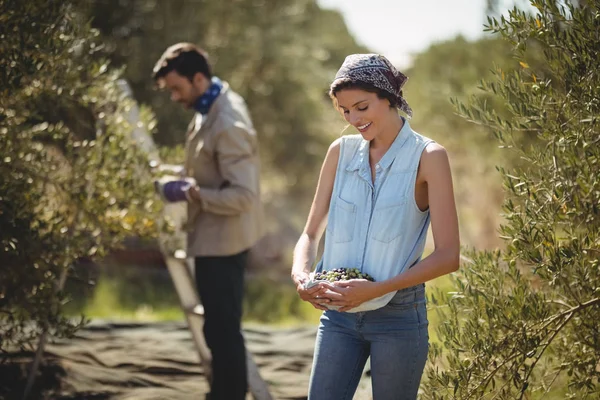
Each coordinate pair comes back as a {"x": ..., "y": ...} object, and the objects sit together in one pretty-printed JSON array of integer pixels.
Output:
[{"x": 224, "y": 210}]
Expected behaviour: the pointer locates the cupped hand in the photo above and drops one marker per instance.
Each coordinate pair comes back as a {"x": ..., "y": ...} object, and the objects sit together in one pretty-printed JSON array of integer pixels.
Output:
[
  {"x": 314, "y": 295},
  {"x": 351, "y": 293}
]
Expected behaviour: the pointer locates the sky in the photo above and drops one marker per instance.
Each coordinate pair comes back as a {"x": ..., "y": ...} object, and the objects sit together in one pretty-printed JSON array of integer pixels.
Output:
[{"x": 399, "y": 28}]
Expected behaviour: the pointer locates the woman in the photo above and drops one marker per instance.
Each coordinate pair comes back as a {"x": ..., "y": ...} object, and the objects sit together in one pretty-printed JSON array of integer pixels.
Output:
[{"x": 378, "y": 191}]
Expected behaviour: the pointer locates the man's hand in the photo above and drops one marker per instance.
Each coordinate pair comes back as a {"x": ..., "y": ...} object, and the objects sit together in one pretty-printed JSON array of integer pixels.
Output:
[
  {"x": 173, "y": 190},
  {"x": 193, "y": 193}
]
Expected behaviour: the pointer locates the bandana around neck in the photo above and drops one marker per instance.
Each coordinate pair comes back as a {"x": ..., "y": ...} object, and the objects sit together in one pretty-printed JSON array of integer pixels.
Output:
[
  {"x": 204, "y": 102},
  {"x": 377, "y": 71}
]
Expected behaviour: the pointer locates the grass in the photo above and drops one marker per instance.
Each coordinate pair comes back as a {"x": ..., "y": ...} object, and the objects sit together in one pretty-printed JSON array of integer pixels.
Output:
[
  {"x": 125, "y": 293},
  {"x": 108, "y": 303}
]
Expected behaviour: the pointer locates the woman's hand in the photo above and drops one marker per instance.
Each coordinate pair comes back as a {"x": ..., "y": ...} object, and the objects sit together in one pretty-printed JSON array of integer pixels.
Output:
[
  {"x": 352, "y": 293},
  {"x": 314, "y": 295}
]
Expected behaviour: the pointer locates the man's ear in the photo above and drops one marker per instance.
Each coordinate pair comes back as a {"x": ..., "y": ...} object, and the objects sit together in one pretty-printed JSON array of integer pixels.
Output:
[
  {"x": 200, "y": 81},
  {"x": 160, "y": 83}
]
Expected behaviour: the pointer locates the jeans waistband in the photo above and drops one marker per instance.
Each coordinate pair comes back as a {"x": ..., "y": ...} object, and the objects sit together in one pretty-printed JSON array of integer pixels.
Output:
[{"x": 411, "y": 294}]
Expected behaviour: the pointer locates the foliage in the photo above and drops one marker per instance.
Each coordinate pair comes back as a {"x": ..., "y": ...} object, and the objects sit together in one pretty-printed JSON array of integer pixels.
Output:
[
  {"x": 523, "y": 323},
  {"x": 70, "y": 187},
  {"x": 496, "y": 6}
]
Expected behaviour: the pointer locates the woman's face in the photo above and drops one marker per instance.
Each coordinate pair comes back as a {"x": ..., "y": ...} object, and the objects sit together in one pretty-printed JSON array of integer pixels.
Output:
[{"x": 369, "y": 114}]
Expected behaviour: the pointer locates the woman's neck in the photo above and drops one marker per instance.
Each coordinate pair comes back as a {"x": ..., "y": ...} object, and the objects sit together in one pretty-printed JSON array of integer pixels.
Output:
[{"x": 387, "y": 136}]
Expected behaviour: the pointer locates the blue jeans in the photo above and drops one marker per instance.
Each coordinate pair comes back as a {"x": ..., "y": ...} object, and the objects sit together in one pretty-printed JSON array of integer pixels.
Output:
[{"x": 394, "y": 336}]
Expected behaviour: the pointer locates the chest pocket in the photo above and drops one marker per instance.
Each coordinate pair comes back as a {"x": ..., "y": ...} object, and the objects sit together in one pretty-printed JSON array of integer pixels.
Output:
[
  {"x": 344, "y": 221},
  {"x": 387, "y": 221}
]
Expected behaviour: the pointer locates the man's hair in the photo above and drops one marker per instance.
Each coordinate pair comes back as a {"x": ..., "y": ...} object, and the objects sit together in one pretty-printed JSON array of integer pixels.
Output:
[{"x": 186, "y": 59}]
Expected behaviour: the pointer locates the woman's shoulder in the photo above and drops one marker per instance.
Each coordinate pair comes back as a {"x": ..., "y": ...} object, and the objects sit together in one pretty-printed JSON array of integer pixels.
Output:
[
  {"x": 434, "y": 158},
  {"x": 345, "y": 146},
  {"x": 334, "y": 148},
  {"x": 345, "y": 141},
  {"x": 348, "y": 143},
  {"x": 434, "y": 147},
  {"x": 355, "y": 139},
  {"x": 419, "y": 139},
  {"x": 429, "y": 146}
]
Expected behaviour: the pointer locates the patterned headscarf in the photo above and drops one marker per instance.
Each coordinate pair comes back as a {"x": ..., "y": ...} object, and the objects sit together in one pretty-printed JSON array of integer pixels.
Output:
[{"x": 377, "y": 71}]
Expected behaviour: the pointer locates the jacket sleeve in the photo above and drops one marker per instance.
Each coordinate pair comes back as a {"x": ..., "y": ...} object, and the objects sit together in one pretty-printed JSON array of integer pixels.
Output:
[{"x": 236, "y": 154}]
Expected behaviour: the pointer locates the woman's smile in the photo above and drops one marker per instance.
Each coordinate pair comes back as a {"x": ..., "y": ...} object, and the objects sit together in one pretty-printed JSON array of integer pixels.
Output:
[{"x": 363, "y": 128}]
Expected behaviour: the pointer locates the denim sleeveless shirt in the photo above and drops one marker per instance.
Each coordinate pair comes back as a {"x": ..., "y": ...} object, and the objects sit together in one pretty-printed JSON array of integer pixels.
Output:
[{"x": 376, "y": 226}]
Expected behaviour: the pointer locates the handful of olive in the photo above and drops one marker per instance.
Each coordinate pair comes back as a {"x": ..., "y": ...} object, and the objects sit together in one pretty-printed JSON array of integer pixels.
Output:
[
  {"x": 338, "y": 274},
  {"x": 342, "y": 274}
]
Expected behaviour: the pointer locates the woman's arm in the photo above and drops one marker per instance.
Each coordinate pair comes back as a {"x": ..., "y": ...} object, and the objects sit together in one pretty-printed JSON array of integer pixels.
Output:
[
  {"x": 434, "y": 170},
  {"x": 306, "y": 249}
]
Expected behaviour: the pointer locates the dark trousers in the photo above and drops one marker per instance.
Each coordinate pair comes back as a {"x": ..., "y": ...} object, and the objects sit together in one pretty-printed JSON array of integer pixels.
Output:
[{"x": 220, "y": 282}]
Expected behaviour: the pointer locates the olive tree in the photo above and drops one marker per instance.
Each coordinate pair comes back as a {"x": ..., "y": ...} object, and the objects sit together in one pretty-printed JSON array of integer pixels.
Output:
[
  {"x": 71, "y": 179},
  {"x": 523, "y": 322}
]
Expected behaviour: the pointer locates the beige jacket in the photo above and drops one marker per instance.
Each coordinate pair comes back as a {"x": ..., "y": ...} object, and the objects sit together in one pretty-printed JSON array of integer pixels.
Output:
[{"x": 222, "y": 156}]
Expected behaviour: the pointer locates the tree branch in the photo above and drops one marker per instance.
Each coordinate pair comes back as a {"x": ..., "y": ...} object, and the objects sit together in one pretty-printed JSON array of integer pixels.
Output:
[
  {"x": 570, "y": 313},
  {"x": 544, "y": 348}
]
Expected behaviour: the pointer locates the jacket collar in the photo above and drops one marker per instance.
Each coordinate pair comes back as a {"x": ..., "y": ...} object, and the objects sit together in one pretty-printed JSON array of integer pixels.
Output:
[
  {"x": 204, "y": 102},
  {"x": 209, "y": 119},
  {"x": 216, "y": 107}
]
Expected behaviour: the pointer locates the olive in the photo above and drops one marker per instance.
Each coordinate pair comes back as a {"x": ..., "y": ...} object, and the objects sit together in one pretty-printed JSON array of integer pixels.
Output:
[{"x": 342, "y": 274}]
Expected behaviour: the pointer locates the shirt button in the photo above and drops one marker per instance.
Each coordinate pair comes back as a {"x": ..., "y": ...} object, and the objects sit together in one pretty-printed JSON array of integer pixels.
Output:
[{"x": 377, "y": 166}]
